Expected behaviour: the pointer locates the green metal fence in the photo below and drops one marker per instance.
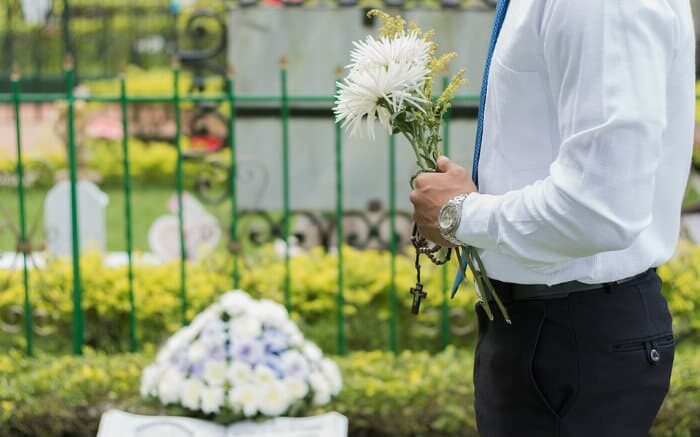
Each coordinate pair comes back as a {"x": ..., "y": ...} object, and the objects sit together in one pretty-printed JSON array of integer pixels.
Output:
[{"x": 229, "y": 97}]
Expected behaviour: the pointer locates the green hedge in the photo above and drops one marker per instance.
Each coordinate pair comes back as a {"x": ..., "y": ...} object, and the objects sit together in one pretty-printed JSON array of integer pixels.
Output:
[
  {"x": 412, "y": 394},
  {"x": 313, "y": 295}
]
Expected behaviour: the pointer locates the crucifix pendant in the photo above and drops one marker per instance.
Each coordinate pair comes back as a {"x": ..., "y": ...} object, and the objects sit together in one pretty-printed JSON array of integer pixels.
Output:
[{"x": 418, "y": 295}]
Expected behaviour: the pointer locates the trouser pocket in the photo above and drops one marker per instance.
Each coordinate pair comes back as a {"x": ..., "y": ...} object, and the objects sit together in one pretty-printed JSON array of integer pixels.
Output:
[
  {"x": 652, "y": 348},
  {"x": 554, "y": 360}
]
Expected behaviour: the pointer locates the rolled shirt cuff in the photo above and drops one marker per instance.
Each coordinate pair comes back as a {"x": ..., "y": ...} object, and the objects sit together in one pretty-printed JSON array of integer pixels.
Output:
[{"x": 475, "y": 227}]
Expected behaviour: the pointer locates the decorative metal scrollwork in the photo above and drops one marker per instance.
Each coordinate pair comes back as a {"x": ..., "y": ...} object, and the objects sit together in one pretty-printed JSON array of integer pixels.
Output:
[
  {"x": 12, "y": 318},
  {"x": 362, "y": 229},
  {"x": 206, "y": 36}
]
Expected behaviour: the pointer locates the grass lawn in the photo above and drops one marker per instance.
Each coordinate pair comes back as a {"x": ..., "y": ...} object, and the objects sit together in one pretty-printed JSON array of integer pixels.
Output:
[{"x": 147, "y": 205}]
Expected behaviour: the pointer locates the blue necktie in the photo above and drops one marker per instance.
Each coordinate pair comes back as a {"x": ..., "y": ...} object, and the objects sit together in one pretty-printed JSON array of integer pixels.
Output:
[{"x": 501, "y": 10}]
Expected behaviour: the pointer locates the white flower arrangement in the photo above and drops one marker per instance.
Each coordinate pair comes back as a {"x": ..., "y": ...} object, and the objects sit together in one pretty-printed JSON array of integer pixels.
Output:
[
  {"x": 391, "y": 80},
  {"x": 244, "y": 357}
]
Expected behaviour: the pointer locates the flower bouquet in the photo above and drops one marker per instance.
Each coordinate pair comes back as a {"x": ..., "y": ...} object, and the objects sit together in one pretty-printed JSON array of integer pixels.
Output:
[
  {"x": 241, "y": 358},
  {"x": 390, "y": 80}
]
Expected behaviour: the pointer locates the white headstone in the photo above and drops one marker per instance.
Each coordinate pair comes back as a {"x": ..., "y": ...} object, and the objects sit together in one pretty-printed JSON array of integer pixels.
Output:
[
  {"x": 92, "y": 203},
  {"x": 117, "y": 423},
  {"x": 201, "y": 229}
]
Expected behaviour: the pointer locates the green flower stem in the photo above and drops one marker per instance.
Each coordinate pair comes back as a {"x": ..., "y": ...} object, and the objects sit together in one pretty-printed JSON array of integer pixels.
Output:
[
  {"x": 481, "y": 290},
  {"x": 489, "y": 285}
]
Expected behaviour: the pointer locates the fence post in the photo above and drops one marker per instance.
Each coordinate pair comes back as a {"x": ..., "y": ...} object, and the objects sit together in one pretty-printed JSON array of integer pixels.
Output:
[
  {"x": 393, "y": 337},
  {"x": 22, "y": 245},
  {"x": 78, "y": 322},
  {"x": 284, "y": 114},
  {"x": 133, "y": 338},
  {"x": 444, "y": 309},
  {"x": 233, "y": 171},
  {"x": 339, "y": 228},
  {"x": 180, "y": 209}
]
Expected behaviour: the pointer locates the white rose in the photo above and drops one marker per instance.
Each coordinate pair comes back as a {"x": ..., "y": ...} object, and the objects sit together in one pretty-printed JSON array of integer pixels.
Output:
[
  {"x": 236, "y": 302},
  {"x": 149, "y": 380},
  {"x": 320, "y": 388},
  {"x": 245, "y": 398},
  {"x": 312, "y": 351},
  {"x": 332, "y": 374},
  {"x": 196, "y": 352},
  {"x": 169, "y": 387},
  {"x": 275, "y": 399},
  {"x": 212, "y": 399},
  {"x": 296, "y": 387},
  {"x": 245, "y": 325},
  {"x": 240, "y": 373},
  {"x": 215, "y": 372},
  {"x": 191, "y": 394}
]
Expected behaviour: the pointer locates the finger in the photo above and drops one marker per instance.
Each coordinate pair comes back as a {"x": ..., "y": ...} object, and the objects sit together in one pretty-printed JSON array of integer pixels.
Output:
[
  {"x": 444, "y": 164},
  {"x": 413, "y": 197},
  {"x": 421, "y": 180}
]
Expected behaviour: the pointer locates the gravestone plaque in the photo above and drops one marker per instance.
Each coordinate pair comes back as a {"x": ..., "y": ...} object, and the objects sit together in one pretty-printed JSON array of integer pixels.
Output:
[
  {"x": 92, "y": 203},
  {"x": 201, "y": 229},
  {"x": 117, "y": 423}
]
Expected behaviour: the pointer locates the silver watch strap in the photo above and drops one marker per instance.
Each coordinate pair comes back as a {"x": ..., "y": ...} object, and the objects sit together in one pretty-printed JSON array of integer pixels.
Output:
[{"x": 458, "y": 200}]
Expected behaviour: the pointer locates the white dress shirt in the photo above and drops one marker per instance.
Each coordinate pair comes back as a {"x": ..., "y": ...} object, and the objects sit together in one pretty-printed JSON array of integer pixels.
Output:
[{"x": 587, "y": 140}]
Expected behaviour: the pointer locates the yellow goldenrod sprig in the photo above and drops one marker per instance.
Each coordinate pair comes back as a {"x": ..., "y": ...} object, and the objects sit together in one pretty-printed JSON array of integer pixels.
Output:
[
  {"x": 448, "y": 94},
  {"x": 391, "y": 26}
]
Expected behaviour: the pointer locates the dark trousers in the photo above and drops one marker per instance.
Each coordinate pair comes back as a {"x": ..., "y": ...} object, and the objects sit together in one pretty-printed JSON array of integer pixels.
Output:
[{"x": 594, "y": 364}]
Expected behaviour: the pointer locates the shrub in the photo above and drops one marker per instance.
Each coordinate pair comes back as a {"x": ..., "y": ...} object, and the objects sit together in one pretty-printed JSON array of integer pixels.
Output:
[
  {"x": 313, "y": 296},
  {"x": 151, "y": 164},
  {"x": 681, "y": 277},
  {"x": 411, "y": 394}
]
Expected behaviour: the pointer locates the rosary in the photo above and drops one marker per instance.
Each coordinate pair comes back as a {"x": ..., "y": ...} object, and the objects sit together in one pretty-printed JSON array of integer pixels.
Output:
[
  {"x": 466, "y": 257},
  {"x": 423, "y": 248}
]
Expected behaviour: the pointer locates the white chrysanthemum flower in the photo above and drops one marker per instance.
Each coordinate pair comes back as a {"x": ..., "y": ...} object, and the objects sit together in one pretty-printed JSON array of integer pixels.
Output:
[
  {"x": 197, "y": 351},
  {"x": 275, "y": 399},
  {"x": 149, "y": 380},
  {"x": 169, "y": 386},
  {"x": 271, "y": 313},
  {"x": 212, "y": 399},
  {"x": 240, "y": 373},
  {"x": 214, "y": 333},
  {"x": 245, "y": 398},
  {"x": 191, "y": 394},
  {"x": 319, "y": 385},
  {"x": 180, "y": 339},
  {"x": 295, "y": 364},
  {"x": 245, "y": 325},
  {"x": 215, "y": 372},
  {"x": 262, "y": 374},
  {"x": 374, "y": 93},
  {"x": 236, "y": 302},
  {"x": 312, "y": 351},
  {"x": 332, "y": 373},
  {"x": 296, "y": 387},
  {"x": 410, "y": 48},
  {"x": 292, "y": 331}
]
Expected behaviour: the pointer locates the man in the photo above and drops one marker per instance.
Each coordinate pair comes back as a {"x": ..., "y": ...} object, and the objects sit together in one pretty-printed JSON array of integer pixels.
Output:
[{"x": 587, "y": 136}]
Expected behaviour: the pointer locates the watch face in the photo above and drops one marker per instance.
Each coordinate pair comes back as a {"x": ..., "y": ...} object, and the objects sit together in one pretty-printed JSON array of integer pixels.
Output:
[{"x": 448, "y": 218}]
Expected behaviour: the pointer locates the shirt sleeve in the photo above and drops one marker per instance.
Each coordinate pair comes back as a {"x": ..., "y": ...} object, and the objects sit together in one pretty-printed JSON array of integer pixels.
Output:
[{"x": 607, "y": 63}]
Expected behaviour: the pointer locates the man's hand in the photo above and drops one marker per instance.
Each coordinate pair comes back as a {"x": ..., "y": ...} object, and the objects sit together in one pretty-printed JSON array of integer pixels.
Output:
[{"x": 432, "y": 191}]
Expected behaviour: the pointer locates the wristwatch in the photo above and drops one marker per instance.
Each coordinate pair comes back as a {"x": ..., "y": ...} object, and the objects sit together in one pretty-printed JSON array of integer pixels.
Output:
[{"x": 449, "y": 218}]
